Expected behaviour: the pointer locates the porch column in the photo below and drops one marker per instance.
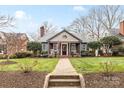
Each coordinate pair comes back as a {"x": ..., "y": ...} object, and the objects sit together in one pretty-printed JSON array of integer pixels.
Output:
[
  {"x": 69, "y": 49},
  {"x": 80, "y": 48},
  {"x": 48, "y": 48},
  {"x": 58, "y": 47}
]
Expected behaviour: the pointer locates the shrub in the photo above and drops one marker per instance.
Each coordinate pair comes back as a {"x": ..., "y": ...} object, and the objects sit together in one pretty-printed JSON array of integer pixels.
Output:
[
  {"x": 94, "y": 45},
  {"x": 44, "y": 52},
  {"x": 100, "y": 52},
  {"x": 115, "y": 51},
  {"x": 121, "y": 49},
  {"x": 118, "y": 51},
  {"x": 107, "y": 68},
  {"x": 84, "y": 53},
  {"x": 26, "y": 68},
  {"x": 23, "y": 54},
  {"x": 87, "y": 53},
  {"x": 51, "y": 56},
  {"x": 111, "y": 40},
  {"x": 13, "y": 56},
  {"x": 35, "y": 47},
  {"x": 3, "y": 56}
]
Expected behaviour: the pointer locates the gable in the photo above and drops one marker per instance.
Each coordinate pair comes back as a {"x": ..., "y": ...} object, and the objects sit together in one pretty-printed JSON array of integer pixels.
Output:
[{"x": 64, "y": 37}]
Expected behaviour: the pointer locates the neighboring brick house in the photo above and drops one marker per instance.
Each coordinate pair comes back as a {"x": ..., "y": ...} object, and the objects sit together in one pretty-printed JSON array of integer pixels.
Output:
[
  {"x": 11, "y": 43},
  {"x": 118, "y": 32}
]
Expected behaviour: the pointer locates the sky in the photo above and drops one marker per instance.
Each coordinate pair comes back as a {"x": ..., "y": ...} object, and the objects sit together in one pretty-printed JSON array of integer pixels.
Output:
[{"x": 28, "y": 18}]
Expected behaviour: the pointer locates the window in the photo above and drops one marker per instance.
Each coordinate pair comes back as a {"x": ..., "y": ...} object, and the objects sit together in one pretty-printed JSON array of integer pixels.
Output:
[
  {"x": 84, "y": 46},
  {"x": 54, "y": 46},
  {"x": 73, "y": 46},
  {"x": 43, "y": 47}
]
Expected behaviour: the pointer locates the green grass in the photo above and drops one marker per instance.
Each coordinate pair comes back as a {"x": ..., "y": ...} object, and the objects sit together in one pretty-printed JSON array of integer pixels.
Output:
[
  {"x": 44, "y": 64},
  {"x": 92, "y": 64}
]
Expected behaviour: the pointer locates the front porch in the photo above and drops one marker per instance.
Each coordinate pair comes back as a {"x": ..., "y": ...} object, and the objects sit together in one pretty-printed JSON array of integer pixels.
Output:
[{"x": 64, "y": 48}]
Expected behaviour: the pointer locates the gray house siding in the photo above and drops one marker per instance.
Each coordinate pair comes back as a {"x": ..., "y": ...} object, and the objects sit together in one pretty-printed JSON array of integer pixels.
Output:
[{"x": 83, "y": 47}]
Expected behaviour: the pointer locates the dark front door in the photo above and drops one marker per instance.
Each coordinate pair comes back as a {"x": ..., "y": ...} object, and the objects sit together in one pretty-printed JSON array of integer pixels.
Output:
[{"x": 64, "y": 49}]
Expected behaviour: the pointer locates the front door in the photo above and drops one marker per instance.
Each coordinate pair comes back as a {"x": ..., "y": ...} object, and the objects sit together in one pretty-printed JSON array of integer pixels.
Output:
[{"x": 64, "y": 49}]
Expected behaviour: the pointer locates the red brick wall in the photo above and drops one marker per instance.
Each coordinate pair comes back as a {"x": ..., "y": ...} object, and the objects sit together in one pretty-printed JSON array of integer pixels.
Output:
[{"x": 122, "y": 28}]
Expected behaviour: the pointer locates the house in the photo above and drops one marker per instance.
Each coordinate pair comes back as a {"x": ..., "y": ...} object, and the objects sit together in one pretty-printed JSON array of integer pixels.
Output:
[
  {"x": 118, "y": 32},
  {"x": 63, "y": 43},
  {"x": 10, "y": 43}
]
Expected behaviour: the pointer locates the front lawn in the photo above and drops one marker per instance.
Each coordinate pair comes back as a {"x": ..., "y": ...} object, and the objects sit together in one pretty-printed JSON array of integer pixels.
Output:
[
  {"x": 92, "y": 64},
  {"x": 43, "y": 64}
]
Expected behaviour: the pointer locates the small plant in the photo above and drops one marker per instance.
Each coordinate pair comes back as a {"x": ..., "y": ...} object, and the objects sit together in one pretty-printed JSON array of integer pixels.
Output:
[
  {"x": 26, "y": 68},
  {"x": 107, "y": 68}
]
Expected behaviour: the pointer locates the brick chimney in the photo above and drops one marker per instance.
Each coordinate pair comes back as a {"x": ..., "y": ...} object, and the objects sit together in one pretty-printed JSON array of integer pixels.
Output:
[
  {"x": 42, "y": 31},
  {"x": 121, "y": 28}
]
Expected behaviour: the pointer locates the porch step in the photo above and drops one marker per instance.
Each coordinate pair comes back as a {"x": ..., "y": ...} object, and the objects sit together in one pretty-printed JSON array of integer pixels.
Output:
[
  {"x": 64, "y": 77},
  {"x": 64, "y": 81},
  {"x": 64, "y": 87}
]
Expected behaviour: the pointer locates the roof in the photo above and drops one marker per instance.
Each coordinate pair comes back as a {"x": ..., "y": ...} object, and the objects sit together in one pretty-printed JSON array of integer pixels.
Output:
[
  {"x": 30, "y": 38},
  {"x": 50, "y": 35},
  {"x": 114, "y": 31},
  {"x": 4, "y": 36},
  {"x": 120, "y": 37},
  {"x": 66, "y": 32}
]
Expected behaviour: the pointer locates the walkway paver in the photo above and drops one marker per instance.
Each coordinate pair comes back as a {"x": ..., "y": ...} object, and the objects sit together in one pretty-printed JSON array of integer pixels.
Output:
[{"x": 64, "y": 67}]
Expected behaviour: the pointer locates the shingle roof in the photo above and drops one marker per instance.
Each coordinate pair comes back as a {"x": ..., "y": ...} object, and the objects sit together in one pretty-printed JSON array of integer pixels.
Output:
[
  {"x": 5, "y": 35},
  {"x": 120, "y": 37},
  {"x": 48, "y": 35},
  {"x": 30, "y": 38},
  {"x": 114, "y": 31}
]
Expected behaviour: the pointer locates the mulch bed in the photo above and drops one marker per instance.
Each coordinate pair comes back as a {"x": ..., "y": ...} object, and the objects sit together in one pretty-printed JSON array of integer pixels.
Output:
[
  {"x": 98, "y": 80},
  {"x": 7, "y": 62},
  {"x": 22, "y": 80}
]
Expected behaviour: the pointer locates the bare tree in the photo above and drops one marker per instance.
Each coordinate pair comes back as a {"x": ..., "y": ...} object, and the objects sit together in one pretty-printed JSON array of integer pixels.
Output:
[
  {"x": 78, "y": 25},
  {"x": 93, "y": 26},
  {"x": 110, "y": 16},
  {"x": 6, "y": 22},
  {"x": 15, "y": 42},
  {"x": 99, "y": 20},
  {"x": 11, "y": 44},
  {"x": 89, "y": 24},
  {"x": 49, "y": 27}
]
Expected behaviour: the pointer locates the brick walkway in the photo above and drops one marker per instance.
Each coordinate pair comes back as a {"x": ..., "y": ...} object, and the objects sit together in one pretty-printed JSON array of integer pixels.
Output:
[{"x": 64, "y": 67}]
